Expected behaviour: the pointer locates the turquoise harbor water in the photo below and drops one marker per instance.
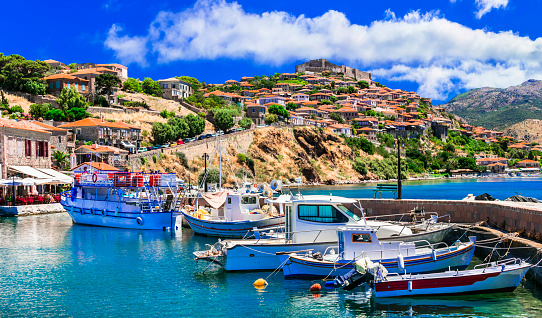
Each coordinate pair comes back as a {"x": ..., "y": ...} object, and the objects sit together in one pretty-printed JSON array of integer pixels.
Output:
[{"x": 53, "y": 268}]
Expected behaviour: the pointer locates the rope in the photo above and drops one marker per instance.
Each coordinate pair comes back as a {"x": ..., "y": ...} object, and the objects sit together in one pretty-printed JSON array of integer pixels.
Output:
[{"x": 280, "y": 267}]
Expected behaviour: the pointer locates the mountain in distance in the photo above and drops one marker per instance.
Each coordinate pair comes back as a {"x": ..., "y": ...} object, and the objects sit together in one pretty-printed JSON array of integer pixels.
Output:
[{"x": 499, "y": 108}]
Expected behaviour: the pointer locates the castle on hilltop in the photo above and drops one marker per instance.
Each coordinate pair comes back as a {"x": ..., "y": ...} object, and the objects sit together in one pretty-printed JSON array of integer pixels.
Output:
[{"x": 321, "y": 65}]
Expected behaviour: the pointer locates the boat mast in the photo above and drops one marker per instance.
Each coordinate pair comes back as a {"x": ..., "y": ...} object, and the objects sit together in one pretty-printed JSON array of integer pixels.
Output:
[{"x": 219, "y": 161}]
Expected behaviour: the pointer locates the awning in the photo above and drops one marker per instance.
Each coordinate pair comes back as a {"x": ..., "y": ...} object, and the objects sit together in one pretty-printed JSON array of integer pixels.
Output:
[
  {"x": 30, "y": 172},
  {"x": 127, "y": 144},
  {"x": 57, "y": 175}
]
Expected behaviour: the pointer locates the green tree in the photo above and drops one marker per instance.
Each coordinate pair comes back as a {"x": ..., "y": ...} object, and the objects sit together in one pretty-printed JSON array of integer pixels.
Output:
[
  {"x": 16, "y": 109},
  {"x": 76, "y": 113},
  {"x": 34, "y": 87},
  {"x": 336, "y": 117},
  {"x": 3, "y": 100},
  {"x": 101, "y": 101},
  {"x": 360, "y": 166},
  {"x": 333, "y": 99},
  {"x": 278, "y": 110},
  {"x": 151, "y": 87},
  {"x": 55, "y": 114},
  {"x": 106, "y": 82},
  {"x": 223, "y": 120},
  {"x": 363, "y": 84},
  {"x": 195, "y": 123},
  {"x": 179, "y": 126},
  {"x": 162, "y": 133},
  {"x": 39, "y": 110},
  {"x": 69, "y": 98},
  {"x": 16, "y": 71},
  {"x": 132, "y": 84},
  {"x": 61, "y": 159},
  {"x": 213, "y": 176},
  {"x": 351, "y": 90},
  {"x": 271, "y": 118},
  {"x": 245, "y": 122},
  {"x": 342, "y": 90}
]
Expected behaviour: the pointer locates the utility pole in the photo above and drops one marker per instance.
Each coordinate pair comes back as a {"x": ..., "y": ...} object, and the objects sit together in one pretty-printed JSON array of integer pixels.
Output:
[
  {"x": 399, "y": 185},
  {"x": 205, "y": 157}
]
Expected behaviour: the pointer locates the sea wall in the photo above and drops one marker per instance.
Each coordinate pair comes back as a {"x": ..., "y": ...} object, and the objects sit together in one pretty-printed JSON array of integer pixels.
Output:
[
  {"x": 511, "y": 216},
  {"x": 23, "y": 210}
]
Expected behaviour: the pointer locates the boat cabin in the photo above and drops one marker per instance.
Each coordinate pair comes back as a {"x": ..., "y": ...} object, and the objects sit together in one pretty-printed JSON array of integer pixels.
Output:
[
  {"x": 241, "y": 206},
  {"x": 359, "y": 240},
  {"x": 316, "y": 218}
]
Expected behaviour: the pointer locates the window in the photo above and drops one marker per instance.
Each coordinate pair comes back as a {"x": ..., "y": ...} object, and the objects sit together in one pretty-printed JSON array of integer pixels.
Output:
[
  {"x": 76, "y": 86},
  {"x": 78, "y": 131},
  {"x": 361, "y": 238},
  {"x": 83, "y": 87},
  {"x": 229, "y": 200},
  {"x": 57, "y": 84},
  {"x": 68, "y": 84},
  {"x": 253, "y": 110},
  {"x": 59, "y": 139},
  {"x": 28, "y": 148},
  {"x": 248, "y": 200},
  {"x": 321, "y": 214},
  {"x": 11, "y": 146},
  {"x": 50, "y": 85}
]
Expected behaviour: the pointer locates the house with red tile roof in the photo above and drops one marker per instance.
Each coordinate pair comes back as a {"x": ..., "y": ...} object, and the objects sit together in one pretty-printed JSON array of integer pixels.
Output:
[
  {"x": 93, "y": 166},
  {"x": 117, "y": 134},
  {"x": 23, "y": 143},
  {"x": 57, "y": 82},
  {"x": 528, "y": 163},
  {"x": 97, "y": 153}
]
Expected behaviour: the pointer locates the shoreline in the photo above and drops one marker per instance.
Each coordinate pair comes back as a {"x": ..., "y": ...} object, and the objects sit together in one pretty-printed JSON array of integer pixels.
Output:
[{"x": 349, "y": 182}]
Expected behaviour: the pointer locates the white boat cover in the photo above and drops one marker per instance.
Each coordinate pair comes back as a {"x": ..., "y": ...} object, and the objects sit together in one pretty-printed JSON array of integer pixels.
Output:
[
  {"x": 215, "y": 199},
  {"x": 30, "y": 171},
  {"x": 57, "y": 175}
]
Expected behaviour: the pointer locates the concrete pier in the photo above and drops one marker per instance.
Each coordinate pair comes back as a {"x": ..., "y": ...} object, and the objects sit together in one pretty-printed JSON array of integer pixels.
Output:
[{"x": 23, "y": 210}]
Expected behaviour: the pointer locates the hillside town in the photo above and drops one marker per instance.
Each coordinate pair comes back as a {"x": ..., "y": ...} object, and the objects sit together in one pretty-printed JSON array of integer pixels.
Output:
[{"x": 65, "y": 127}]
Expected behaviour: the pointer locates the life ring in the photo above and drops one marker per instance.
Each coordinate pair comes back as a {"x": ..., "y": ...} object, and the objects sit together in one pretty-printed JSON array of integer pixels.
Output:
[
  {"x": 139, "y": 221},
  {"x": 94, "y": 177}
]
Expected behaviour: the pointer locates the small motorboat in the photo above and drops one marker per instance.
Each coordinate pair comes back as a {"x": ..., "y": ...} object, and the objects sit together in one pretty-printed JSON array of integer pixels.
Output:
[
  {"x": 494, "y": 277},
  {"x": 357, "y": 242}
]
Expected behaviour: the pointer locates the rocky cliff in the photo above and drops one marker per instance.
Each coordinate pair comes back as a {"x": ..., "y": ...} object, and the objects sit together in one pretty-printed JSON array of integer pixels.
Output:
[{"x": 316, "y": 155}]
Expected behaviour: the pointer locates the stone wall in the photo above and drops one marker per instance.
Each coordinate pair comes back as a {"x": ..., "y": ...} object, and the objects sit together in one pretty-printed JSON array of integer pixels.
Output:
[
  {"x": 321, "y": 65},
  {"x": 239, "y": 140},
  {"x": 512, "y": 216},
  {"x": 120, "y": 110}
]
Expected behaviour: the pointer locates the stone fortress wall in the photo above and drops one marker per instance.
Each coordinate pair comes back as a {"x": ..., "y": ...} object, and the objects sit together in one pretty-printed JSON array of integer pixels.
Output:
[{"x": 320, "y": 65}]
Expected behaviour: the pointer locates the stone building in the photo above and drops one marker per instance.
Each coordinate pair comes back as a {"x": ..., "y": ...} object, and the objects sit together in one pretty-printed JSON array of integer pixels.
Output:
[
  {"x": 60, "y": 140},
  {"x": 116, "y": 134},
  {"x": 256, "y": 112},
  {"x": 175, "y": 89},
  {"x": 120, "y": 70},
  {"x": 22, "y": 143},
  {"x": 57, "y": 82},
  {"x": 321, "y": 65}
]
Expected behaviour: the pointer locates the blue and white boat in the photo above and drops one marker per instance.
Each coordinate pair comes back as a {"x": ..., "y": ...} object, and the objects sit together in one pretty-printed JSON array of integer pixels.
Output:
[
  {"x": 132, "y": 200},
  {"x": 359, "y": 242},
  {"x": 236, "y": 217}
]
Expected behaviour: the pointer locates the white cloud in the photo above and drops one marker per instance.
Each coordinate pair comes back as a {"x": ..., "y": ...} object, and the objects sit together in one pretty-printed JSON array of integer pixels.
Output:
[
  {"x": 484, "y": 6},
  {"x": 426, "y": 48},
  {"x": 129, "y": 49}
]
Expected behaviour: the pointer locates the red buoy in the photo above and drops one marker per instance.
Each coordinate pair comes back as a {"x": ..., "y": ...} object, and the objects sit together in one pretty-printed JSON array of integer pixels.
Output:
[{"x": 315, "y": 288}]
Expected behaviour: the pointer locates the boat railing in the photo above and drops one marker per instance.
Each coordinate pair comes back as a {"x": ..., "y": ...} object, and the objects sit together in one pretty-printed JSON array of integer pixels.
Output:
[
  {"x": 509, "y": 261},
  {"x": 402, "y": 215},
  {"x": 427, "y": 244},
  {"x": 126, "y": 179},
  {"x": 405, "y": 226}
]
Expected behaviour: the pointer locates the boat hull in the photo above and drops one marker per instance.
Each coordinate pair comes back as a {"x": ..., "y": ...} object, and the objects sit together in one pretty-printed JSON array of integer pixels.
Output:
[
  {"x": 495, "y": 279},
  {"x": 236, "y": 229},
  {"x": 303, "y": 267},
  {"x": 140, "y": 221},
  {"x": 262, "y": 257},
  {"x": 434, "y": 236}
]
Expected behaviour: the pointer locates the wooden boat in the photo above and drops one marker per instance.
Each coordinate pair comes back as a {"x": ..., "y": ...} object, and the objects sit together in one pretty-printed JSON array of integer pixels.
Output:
[
  {"x": 494, "y": 277},
  {"x": 357, "y": 242}
]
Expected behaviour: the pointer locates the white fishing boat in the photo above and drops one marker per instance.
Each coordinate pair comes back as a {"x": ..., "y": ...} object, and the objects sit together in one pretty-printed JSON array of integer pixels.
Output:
[
  {"x": 129, "y": 200},
  {"x": 356, "y": 242},
  {"x": 311, "y": 223},
  {"x": 503, "y": 276},
  {"x": 236, "y": 215}
]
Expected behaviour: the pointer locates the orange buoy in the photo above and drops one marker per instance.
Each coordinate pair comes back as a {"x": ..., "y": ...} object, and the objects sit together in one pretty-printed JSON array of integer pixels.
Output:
[
  {"x": 315, "y": 288},
  {"x": 260, "y": 283}
]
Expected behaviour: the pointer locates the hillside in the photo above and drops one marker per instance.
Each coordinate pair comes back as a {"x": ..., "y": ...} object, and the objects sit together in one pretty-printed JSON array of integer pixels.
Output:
[
  {"x": 496, "y": 108},
  {"x": 529, "y": 130}
]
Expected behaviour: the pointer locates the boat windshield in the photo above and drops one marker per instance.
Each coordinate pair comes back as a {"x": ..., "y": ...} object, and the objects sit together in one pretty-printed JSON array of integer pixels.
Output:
[{"x": 348, "y": 212}]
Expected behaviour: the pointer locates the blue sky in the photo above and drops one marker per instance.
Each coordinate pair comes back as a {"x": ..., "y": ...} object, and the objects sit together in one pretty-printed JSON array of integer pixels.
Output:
[{"x": 439, "y": 48}]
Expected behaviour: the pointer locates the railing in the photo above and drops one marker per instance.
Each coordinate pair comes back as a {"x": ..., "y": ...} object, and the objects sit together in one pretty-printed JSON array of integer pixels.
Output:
[{"x": 126, "y": 179}]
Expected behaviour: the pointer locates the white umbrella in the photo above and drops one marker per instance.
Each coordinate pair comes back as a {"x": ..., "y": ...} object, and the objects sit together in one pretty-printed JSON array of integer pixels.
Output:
[
  {"x": 9, "y": 182},
  {"x": 28, "y": 181}
]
